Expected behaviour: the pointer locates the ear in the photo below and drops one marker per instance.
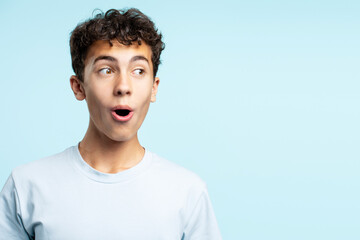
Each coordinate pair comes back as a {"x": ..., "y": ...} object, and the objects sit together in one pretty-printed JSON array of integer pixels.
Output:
[
  {"x": 154, "y": 89},
  {"x": 77, "y": 87}
]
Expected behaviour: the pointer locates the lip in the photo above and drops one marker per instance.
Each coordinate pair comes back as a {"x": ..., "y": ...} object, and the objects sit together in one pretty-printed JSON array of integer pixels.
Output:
[{"x": 122, "y": 118}]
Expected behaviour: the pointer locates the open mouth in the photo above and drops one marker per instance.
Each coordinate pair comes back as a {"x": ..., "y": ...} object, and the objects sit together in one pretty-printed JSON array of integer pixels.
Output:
[{"x": 122, "y": 112}]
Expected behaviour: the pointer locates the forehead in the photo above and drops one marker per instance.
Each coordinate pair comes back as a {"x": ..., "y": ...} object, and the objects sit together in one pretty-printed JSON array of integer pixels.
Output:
[{"x": 123, "y": 53}]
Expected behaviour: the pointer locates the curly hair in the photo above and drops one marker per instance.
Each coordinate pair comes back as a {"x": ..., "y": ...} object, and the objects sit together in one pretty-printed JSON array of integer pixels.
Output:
[{"x": 126, "y": 26}]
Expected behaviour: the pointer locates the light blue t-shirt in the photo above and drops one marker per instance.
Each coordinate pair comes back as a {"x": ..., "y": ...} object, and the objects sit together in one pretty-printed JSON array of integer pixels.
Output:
[{"x": 61, "y": 197}]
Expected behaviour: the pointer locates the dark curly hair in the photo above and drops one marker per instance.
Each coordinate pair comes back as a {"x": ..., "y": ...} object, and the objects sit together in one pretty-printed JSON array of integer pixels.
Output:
[{"x": 126, "y": 26}]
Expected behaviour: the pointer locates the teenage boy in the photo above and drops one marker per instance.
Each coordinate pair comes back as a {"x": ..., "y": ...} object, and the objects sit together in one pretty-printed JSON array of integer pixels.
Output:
[{"x": 109, "y": 186}]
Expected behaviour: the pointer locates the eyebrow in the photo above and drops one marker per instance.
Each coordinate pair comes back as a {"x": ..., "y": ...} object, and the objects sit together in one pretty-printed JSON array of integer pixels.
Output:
[
  {"x": 112, "y": 59},
  {"x": 104, "y": 57},
  {"x": 139, "y": 58}
]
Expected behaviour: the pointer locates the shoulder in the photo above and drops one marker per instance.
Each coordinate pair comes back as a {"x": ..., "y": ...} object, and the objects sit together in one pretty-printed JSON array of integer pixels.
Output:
[
  {"x": 176, "y": 175},
  {"x": 45, "y": 167}
]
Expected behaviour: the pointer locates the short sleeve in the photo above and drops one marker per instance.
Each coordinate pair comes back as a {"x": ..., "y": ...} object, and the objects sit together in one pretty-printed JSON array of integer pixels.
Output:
[
  {"x": 202, "y": 224},
  {"x": 11, "y": 226}
]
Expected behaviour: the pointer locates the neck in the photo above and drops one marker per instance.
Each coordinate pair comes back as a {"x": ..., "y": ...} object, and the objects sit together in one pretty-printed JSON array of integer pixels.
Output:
[{"x": 110, "y": 156}]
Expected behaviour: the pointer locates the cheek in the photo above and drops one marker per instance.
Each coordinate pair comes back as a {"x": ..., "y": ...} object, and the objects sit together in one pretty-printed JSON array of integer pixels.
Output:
[
  {"x": 145, "y": 95},
  {"x": 97, "y": 91},
  {"x": 95, "y": 100}
]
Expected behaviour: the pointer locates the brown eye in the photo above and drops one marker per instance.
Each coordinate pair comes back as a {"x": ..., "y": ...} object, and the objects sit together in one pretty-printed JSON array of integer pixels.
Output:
[
  {"x": 139, "y": 71},
  {"x": 106, "y": 71}
]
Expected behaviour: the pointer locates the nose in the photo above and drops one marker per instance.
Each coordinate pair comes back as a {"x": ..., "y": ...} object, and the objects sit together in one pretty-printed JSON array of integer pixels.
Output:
[{"x": 122, "y": 85}]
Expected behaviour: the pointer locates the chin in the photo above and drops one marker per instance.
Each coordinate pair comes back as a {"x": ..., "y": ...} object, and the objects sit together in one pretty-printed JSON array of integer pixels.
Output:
[{"x": 121, "y": 137}]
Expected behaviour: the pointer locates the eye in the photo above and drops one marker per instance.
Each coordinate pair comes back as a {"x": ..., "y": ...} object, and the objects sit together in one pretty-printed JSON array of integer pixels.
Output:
[
  {"x": 139, "y": 71},
  {"x": 106, "y": 71}
]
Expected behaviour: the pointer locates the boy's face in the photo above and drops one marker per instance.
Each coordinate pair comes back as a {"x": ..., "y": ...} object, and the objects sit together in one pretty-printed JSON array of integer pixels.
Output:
[{"x": 118, "y": 87}]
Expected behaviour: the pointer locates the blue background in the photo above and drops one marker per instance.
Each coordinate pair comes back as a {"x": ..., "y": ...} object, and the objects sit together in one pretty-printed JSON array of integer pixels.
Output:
[{"x": 260, "y": 98}]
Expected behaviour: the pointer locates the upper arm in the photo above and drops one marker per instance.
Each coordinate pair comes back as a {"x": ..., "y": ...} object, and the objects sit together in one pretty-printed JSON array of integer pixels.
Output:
[
  {"x": 11, "y": 225},
  {"x": 202, "y": 223}
]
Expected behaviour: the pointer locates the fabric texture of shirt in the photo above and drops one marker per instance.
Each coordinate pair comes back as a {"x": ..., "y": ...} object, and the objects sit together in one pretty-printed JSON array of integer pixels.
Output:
[{"x": 61, "y": 197}]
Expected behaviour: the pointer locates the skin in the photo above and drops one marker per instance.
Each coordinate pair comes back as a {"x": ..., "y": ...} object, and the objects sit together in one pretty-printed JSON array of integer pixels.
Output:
[{"x": 115, "y": 75}]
